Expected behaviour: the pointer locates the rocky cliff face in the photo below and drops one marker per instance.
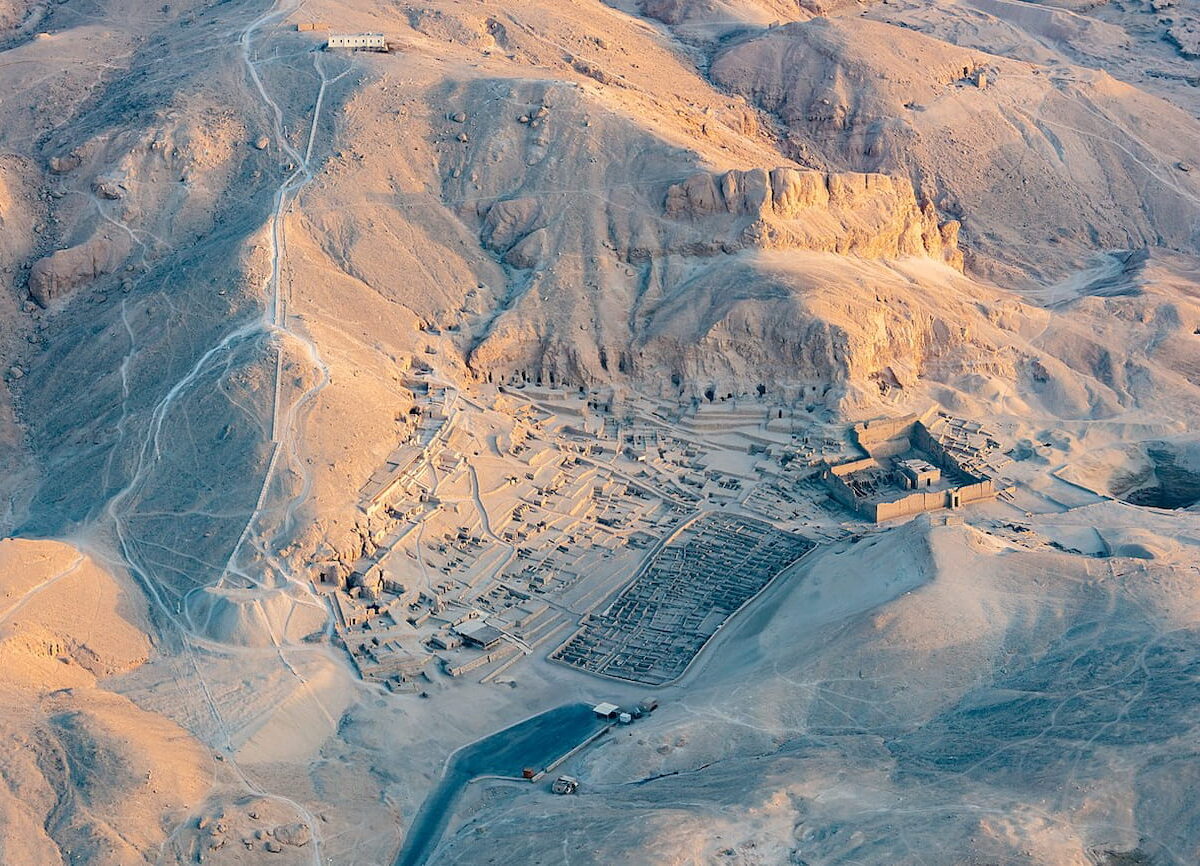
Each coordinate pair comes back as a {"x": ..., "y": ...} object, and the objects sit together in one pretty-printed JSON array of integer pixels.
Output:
[
  {"x": 596, "y": 253},
  {"x": 58, "y": 274},
  {"x": 809, "y": 328},
  {"x": 870, "y": 215},
  {"x": 1043, "y": 164}
]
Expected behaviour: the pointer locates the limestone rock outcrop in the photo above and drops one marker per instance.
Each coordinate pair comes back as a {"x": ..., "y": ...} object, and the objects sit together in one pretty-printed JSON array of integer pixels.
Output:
[
  {"x": 872, "y": 97},
  {"x": 1184, "y": 34},
  {"x": 13, "y": 12},
  {"x": 873, "y": 215},
  {"x": 108, "y": 187},
  {"x": 59, "y": 273},
  {"x": 507, "y": 222},
  {"x": 21, "y": 211},
  {"x": 64, "y": 164}
]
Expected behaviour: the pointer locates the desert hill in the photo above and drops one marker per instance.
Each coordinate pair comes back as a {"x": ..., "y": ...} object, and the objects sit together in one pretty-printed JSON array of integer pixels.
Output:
[
  {"x": 839, "y": 764},
  {"x": 1044, "y": 162},
  {"x": 88, "y": 776}
]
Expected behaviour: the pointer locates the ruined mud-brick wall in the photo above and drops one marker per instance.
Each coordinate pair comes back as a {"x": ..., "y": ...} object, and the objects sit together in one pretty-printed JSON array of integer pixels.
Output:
[
  {"x": 981, "y": 486},
  {"x": 840, "y": 490},
  {"x": 914, "y": 503},
  {"x": 883, "y": 437}
]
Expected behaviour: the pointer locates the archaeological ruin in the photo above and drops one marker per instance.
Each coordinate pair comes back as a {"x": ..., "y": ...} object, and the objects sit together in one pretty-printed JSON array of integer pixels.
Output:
[{"x": 913, "y": 464}]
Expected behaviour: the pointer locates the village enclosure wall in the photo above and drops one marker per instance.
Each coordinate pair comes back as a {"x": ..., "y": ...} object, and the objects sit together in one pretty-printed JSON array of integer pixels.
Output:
[
  {"x": 925, "y": 442},
  {"x": 891, "y": 448},
  {"x": 875, "y": 436},
  {"x": 837, "y": 485},
  {"x": 983, "y": 489},
  {"x": 914, "y": 503}
]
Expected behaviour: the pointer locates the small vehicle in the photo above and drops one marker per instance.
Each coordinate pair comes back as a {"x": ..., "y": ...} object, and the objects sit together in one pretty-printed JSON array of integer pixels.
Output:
[{"x": 565, "y": 785}]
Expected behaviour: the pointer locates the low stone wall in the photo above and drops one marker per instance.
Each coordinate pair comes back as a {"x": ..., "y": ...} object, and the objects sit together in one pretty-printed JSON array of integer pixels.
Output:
[
  {"x": 497, "y": 654},
  {"x": 838, "y": 488}
]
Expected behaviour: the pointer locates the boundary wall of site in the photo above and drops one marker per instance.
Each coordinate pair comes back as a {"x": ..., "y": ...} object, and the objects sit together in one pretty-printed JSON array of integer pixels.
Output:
[{"x": 886, "y": 437}]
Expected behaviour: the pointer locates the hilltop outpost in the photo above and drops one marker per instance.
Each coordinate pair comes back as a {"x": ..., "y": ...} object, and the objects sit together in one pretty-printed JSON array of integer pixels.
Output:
[{"x": 358, "y": 41}]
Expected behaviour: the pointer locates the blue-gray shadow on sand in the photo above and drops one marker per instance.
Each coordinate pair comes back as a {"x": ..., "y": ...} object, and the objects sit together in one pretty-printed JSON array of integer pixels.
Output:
[{"x": 533, "y": 743}]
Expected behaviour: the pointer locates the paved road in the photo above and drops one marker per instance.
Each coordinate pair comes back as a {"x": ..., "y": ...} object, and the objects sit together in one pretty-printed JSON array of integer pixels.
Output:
[{"x": 533, "y": 743}]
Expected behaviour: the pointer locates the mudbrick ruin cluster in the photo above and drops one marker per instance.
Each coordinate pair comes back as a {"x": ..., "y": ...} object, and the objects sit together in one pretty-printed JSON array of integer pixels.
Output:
[{"x": 622, "y": 533}]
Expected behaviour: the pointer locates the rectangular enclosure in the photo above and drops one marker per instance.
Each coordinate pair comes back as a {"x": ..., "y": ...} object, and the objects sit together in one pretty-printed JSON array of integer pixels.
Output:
[{"x": 658, "y": 623}]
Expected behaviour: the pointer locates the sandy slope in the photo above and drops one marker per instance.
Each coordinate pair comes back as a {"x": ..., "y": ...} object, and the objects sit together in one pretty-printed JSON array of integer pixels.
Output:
[
  {"x": 936, "y": 695},
  {"x": 88, "y": 776}
]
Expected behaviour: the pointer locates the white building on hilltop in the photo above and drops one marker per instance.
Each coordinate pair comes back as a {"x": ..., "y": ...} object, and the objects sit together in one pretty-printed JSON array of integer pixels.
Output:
[{"x": 358, "y": 41}]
